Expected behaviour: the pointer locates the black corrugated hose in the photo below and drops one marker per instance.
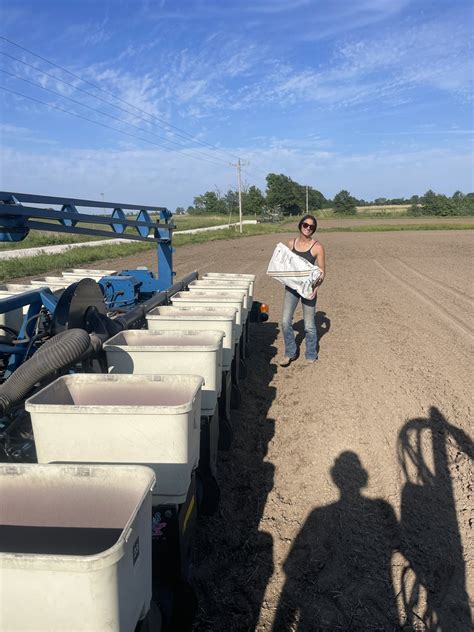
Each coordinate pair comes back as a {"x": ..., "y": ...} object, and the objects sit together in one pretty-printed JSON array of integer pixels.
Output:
[{"x": 58, "y": 352}]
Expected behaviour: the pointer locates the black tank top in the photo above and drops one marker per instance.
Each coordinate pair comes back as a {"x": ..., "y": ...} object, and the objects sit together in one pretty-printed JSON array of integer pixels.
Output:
[{"x": 305, "y": 254}]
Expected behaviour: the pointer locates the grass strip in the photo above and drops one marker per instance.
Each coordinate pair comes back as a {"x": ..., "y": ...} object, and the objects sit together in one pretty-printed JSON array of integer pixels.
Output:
[
  {"x": 40, "y": 264},
  {"x": 37, "y": 239}
]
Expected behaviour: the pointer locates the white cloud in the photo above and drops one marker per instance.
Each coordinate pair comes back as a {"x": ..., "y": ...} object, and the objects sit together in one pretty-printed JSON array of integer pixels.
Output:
[
  {"x": 90, "y": 33},
  {"x": 12, "y": 133},
  {"x": 222, "y": 74},
  {"x": 158, "y": 177},
  {"x": 336, "y": 17},
  {"x": 386, "y": 68}
]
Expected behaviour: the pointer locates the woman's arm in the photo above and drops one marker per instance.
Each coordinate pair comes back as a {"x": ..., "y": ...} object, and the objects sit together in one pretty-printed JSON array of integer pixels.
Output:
[{"x": 318, "y": 252}]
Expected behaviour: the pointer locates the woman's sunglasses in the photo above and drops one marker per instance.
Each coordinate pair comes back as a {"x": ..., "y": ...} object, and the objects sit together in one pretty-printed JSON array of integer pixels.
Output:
[{"x": 306, "y": 225}]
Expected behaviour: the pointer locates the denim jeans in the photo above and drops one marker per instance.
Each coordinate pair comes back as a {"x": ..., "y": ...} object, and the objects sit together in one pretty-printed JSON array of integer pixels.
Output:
[{"x": 309, "y": 315}]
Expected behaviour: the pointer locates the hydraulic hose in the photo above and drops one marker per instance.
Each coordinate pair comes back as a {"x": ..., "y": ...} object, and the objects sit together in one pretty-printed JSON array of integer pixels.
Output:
[
  {"x": 138, "y": 313},
  {"x": 58, "y": 352}
]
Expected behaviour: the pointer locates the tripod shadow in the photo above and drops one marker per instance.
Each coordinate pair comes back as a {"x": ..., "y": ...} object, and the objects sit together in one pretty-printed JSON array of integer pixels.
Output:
[
  {"x": 323, "y": 325},
  {"x": 338, "y": 572},
  {"x": 433, "y": 581},
  {"x": 233, "y": 556}
]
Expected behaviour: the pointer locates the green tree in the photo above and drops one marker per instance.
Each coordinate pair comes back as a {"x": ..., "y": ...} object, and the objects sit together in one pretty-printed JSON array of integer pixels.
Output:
[
  {"x": 462, "y": 204},
  {"x": 281, "y": 191},
  {"x": 253, "y": 201},
  {"x": 467, "y": 206},
  {"x": 436, "y": 204},
  {"x": 231, "y": 200},
  {"x": 316, "y": 199},
  {"x": 210, "y": 202},
  {"x": 344, "y": 203},
  {"x": 180, "y": 210}
]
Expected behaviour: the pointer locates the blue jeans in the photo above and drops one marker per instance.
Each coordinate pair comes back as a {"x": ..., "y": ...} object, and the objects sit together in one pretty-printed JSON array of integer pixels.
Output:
[{"x": 309, "y": 315}]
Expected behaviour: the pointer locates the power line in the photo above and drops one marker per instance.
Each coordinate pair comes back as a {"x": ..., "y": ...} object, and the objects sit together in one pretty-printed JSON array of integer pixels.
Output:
[
  {"x": 259, "y": 171},
  {"x": 153, "y": 116},
  {"x": 67, "y": 83},
  {"x": 116, "y": 118},
  {"x": 84, "y": 118}
]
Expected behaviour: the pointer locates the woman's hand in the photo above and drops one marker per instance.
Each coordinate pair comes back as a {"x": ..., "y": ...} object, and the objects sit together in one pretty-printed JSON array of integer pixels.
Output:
[{"x": 316, "y": 286}]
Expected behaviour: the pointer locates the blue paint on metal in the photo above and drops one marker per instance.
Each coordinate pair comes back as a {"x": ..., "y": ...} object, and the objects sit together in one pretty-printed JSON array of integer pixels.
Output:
[
  {"x": 124, "y": 290},
  {"x": 118, "y": 228},
  {"x": 144, "y": 230},
  {"x": 165, "y": 253},
  {"x": 17, "y": 218},
  {"x": 35, "y": 299},
  {"x": 120, "y": 291},
  {"x": 71, "y": 209},
  {"x": 148, "y": 282},
  {"x": 14, "y": 229},
  {"x": 42, "y": 295},
  {"x": 15, "y": 349}
]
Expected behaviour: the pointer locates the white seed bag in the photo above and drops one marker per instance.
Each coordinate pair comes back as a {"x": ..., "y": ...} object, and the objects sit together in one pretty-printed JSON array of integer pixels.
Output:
[{"x": 292, "y": 270}]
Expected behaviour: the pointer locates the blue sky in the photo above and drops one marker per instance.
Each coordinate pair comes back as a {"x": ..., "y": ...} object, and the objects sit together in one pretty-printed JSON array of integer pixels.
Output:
[{"x": 374, "y": 96}]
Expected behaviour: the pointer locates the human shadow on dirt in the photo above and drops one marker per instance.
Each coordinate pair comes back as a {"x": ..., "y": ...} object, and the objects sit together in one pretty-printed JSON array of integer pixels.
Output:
[
  {"x": 433, "y": 580},
  {"x": 323, "y": 325},
  {"x": 338, "y": 572},
  {"x": 233, "y": 559}
]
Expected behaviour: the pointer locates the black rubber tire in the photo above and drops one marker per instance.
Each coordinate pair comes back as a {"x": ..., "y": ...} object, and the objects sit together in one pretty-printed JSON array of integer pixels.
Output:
[
  {"x": 226, "y": 434},
  {"x": 235, "y": 397},
  {"x": 208, "y": 493},
  {"x": 153, "y": 621}
]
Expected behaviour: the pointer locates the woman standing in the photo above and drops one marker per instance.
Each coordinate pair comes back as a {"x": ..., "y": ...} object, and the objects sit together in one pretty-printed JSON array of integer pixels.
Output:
[{"x": 305, "y": 246}]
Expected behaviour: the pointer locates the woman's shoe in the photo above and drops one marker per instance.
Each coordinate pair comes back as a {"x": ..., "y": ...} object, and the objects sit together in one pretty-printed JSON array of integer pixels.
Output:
[{"x": 286, "y": 361}]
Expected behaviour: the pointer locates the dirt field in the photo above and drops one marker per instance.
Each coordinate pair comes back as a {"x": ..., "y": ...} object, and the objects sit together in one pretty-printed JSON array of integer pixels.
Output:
[{"x": 346, "y": 497}]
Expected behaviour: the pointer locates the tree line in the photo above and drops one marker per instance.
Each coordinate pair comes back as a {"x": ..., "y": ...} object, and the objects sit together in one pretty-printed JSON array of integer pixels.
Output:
[{"x": 288, "y": 197}]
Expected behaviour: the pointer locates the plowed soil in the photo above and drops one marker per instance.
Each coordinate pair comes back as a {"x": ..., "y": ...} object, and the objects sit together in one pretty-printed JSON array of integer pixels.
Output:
[{"x": 347, "y": 494}]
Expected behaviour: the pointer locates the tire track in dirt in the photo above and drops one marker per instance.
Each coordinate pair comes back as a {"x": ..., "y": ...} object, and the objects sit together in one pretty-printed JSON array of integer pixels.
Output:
[
  {"x": 449, "y": 290},
  {"x": 424, "y": 297}
]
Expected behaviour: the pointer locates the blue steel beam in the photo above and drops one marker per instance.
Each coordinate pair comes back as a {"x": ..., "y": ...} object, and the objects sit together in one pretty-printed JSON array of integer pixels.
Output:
[
  {"x": 16, "y": 220},
  {"x": 37, "y": 294},
  {"x": 47, "y": 199},
  {"x": 79, "y": 230},
  {"x": 18, "y": 210}
]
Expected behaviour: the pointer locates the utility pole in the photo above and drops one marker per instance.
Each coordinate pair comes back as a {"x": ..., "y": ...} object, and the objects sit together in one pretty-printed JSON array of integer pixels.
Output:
[
  {"x": 239, "y": 181},
  {"x": 307, "y": 211}
]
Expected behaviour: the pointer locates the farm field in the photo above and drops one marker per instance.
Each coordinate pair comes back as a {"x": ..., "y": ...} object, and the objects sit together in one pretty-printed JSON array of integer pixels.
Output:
[
  {"x": 347, "y": 494},
  {"x": 38, "y": 238}
]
